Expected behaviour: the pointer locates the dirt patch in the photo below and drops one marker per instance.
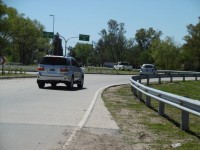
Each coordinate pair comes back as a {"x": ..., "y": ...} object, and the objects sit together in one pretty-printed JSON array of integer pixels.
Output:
[{"x": 87, "y": 140}]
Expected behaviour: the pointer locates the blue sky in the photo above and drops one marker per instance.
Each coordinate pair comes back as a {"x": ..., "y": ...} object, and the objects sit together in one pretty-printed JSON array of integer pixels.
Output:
[{"x": 74, "y": 17}]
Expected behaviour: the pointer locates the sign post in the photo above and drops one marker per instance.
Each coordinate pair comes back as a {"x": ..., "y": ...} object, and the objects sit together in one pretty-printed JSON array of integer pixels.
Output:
[{"x": 2, "y": 62}]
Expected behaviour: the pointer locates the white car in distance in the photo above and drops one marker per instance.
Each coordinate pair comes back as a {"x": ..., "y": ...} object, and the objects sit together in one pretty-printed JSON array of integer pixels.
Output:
[
  {"x": 122, "y": 66},
  {"x": 148, "y": 69}
]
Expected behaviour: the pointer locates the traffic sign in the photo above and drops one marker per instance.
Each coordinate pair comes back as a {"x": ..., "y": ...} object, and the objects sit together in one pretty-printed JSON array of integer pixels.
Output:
[
  {"x": 48, "y": 34},
  {"x": 2, "y": 60},
  {"x": 83, "y": 37}
]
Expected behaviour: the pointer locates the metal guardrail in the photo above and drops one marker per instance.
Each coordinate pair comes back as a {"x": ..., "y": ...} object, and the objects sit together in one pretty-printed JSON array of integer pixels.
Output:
[
  {"x": 186, "y": 105},
  {"x": 168, "y": 74}
]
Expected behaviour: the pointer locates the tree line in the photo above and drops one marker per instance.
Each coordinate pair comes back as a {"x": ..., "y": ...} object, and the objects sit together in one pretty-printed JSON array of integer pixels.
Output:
[
  {"x": 21, "y": 38},
  {"x": 146, "y": 46}
]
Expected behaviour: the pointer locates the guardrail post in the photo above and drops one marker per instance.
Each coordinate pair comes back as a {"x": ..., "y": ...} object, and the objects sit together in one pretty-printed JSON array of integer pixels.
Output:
[
  {"x": 161, "y": 109},
  {"x": 159, "y": 79},
  {"x": 2, "y": 71},
  {"x": 134, "y": 91},
  {"x": 147, "y": 80},
  {"x": 183, "y": 78},
  {"x": 184, "y": 120},
  {"x": 148, "y": 101},
  {"x": 139, "y": 80},
  {"x": 139, "y": 95},
  {"x": 196, "y": 78},
  {"x": 171, "y": 78}
]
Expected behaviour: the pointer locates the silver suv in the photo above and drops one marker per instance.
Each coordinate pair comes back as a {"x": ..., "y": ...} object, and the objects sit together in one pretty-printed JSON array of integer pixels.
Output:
[{"x": 59, "y": 69}]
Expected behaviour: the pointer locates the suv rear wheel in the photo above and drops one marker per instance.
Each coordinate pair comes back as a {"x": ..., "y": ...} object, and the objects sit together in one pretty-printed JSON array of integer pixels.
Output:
[
  {"x": 71, "y": 83},
  {"x": 41, "y": 84},
  {"x": 80, "y": 84}
]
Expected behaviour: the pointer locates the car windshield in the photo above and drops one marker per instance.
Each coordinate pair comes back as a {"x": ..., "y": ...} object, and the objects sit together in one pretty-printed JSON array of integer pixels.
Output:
[
  {"x": 148, "y": 66},
  {"x": 55, "y": 61}
]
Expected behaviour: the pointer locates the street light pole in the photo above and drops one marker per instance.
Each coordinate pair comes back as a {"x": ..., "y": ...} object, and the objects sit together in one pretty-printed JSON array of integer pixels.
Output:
[
  {"x": 53, "y": 22},
  {"x": 53, "y": 32},
  {"x": 67, "y": 41}
]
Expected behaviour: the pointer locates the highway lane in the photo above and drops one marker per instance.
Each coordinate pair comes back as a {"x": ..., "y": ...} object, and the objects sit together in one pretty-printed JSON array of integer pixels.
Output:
[{"x": 34, "y": 119}]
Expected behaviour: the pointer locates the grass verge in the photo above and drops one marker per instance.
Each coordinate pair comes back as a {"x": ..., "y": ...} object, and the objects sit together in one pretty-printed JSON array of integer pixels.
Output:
[
  {"x": 190, "y": 89},
  {"x": 143, "y": 128}
]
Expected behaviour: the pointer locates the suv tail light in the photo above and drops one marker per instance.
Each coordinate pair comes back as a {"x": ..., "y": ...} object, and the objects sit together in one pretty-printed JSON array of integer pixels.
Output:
[
  {"x": 64, "y": 69},
  {"x": 40, "y": 68}
]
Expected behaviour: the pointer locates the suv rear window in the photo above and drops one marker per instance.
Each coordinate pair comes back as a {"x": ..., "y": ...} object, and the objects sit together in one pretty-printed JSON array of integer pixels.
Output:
[
  {"x": 148, "y": 66},
  {"x": 55, "y": 61}
]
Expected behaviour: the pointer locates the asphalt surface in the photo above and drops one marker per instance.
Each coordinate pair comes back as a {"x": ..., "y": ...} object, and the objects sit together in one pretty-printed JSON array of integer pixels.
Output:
[{"x": 45, "y": 119}]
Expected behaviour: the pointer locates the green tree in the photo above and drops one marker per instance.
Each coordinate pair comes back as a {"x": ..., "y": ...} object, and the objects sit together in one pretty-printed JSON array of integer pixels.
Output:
[
  {"x": 166, "y": 54},
  {"x": 20, "y": 36},
  {"x": 112, "y": 44},
  {"x": 4, "y": 28},
  {"x": 132, "y": 53},
  {"x": 27, "y": 40},
  {"x": 191, "y": 49},
  {"x": 58, "y": 50},
  {"x": 144, "y": 37},
  {"x": 145, "y": 57},
  {"x": 83, "y": 52}
]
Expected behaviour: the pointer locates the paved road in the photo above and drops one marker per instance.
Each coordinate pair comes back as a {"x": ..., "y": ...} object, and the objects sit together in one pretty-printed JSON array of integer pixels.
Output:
[{"x": 44, "y": 119}]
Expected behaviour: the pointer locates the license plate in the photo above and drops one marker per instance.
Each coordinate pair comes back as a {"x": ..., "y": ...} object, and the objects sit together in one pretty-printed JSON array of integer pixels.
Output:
[{"x": 51, "y": 69}]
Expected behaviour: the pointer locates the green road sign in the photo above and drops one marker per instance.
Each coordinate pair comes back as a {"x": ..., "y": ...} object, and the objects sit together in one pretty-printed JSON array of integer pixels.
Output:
[
  {"x": 83, "y": 37},
  {"x": 48, "y": 34}
]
